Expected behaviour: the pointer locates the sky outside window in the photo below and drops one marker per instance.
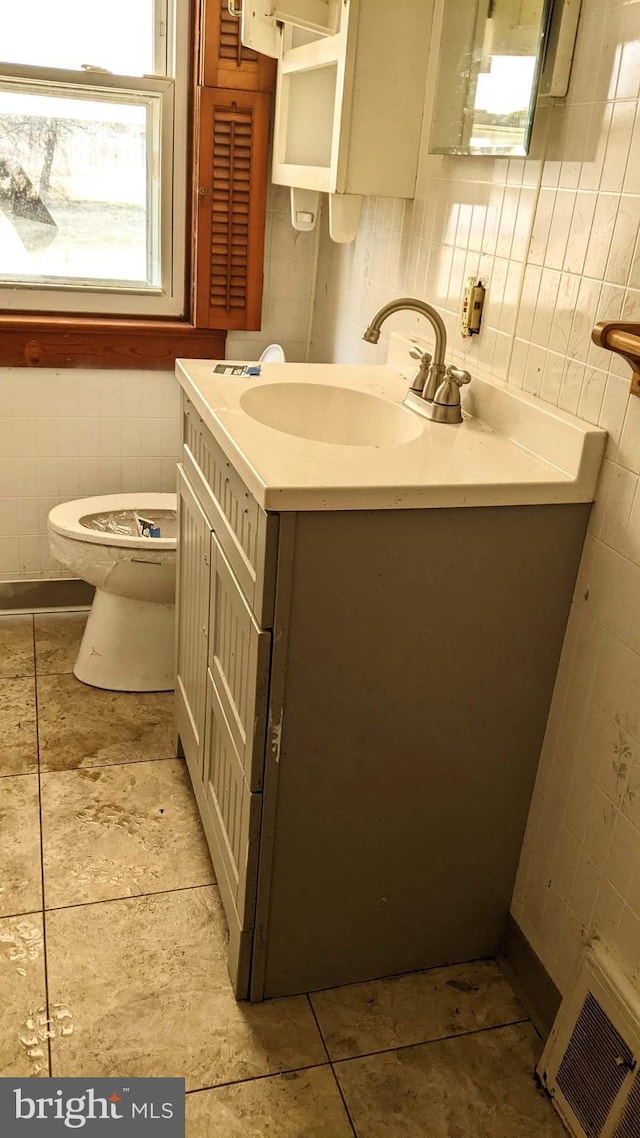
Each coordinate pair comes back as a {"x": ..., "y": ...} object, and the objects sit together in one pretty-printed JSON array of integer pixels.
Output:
[{"x": 66, "y": 34}]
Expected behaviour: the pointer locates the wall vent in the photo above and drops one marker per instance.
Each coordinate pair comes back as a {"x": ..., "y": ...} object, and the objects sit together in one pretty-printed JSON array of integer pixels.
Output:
[
  {"x": 629, "y": 1124},
  {"x": 590, "y": 1063}
]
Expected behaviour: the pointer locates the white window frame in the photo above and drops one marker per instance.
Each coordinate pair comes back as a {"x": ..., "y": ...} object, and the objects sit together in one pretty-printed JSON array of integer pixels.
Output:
[{"x": 125, "y": 300}]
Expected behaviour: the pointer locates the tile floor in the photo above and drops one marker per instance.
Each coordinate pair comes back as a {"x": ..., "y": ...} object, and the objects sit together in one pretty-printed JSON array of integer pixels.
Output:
[{"x": 112, "y": 946}]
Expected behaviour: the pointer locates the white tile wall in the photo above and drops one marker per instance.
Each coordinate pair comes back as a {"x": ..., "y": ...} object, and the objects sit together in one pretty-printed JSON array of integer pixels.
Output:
[
  {"x": 73, "y": 433},
  {"x": 555, "y": 238}
]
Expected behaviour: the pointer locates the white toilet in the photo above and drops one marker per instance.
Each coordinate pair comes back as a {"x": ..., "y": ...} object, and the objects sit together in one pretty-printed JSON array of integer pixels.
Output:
[{"x": 128, "y": 644}]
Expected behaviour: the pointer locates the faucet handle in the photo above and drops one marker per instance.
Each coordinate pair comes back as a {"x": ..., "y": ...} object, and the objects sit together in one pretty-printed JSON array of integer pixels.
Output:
[
  {"x": 417, "y": 353},
  {"x": 458, "y": 375},
  {"x": 419, "y": 378},
  {"x": 448, "y": 394}
]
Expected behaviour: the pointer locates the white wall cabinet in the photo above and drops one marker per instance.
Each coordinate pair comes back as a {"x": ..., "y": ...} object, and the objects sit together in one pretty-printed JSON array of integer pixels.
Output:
[
  {"x": 263, "y": 21},
  {"x": 364, "y": 810},
  {"x": 349, "y": 101}
]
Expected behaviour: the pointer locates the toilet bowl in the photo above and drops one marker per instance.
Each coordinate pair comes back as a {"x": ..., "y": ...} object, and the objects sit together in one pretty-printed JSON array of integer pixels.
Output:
[{"x": 128, "y": 644}]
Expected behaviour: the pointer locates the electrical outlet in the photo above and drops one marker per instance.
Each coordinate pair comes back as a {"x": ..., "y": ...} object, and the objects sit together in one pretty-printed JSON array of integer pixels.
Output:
[{"x": 472, "y": 305}]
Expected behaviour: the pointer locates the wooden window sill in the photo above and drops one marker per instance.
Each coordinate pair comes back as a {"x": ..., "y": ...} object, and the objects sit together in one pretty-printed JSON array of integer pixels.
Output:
[{"x": 67, "y": 342}]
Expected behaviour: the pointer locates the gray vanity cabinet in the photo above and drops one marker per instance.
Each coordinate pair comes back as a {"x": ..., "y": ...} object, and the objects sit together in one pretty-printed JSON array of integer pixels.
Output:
[
  {"x": 361, "y": 701},
  {"x": 222, "y": 673}
]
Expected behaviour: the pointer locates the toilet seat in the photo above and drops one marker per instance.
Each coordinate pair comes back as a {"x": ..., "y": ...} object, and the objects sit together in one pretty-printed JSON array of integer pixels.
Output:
[
  {"x": 65, "y": 520},
  {"x": 274, "y": 354}
]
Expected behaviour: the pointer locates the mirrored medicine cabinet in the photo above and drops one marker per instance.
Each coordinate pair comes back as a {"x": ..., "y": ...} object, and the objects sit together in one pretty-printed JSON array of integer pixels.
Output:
[{"x": 489, "y": 65}]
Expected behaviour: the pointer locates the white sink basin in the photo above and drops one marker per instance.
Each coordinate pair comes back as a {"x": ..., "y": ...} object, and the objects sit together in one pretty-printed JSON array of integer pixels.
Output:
[
  {"x": 330, "y": 414},
  {"x": 511, "y": 449}
]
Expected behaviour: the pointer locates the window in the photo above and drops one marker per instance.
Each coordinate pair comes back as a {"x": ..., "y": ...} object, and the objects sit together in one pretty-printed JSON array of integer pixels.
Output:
[
  {"x": 134, "y": 139},
  {"x": 93, "y": 144}
]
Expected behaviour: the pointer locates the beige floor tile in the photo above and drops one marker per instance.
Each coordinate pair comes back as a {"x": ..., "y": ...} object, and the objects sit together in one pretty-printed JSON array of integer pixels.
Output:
[
  {"x": 80, "y": 726},
  {"x": 480, "y": 1085},
  {"x": 18, "y": 738},
  {"x": 304, "y": 1103},
  {"x": 58, "y": 636},
  {"x": 120, "y": 831},
  {"x": 23, "y": 1018},
  {"x": 414, "y": 1008},
  {"x": 16, "y": 646},
  {"x": 20, "y": 872},
  {"x": 146, "y": 981}
]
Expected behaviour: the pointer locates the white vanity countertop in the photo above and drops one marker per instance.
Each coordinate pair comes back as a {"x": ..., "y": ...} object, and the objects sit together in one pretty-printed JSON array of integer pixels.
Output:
[{"x": 512, "y": 449}]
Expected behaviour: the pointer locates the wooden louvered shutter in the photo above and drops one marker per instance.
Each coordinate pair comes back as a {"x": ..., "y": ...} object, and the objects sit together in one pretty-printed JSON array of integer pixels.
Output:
[
  {"x": 226, "y": 62},
  {"x": 232, "y": 142},
  {"x": 232, "y": 176}
]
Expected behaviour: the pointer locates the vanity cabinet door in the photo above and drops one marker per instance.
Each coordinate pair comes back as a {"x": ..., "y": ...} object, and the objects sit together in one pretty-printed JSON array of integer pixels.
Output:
[
  {"x": 192, "y": 609},
  {"x": 231, "y": 818},
  {"x": 236, "y": 710},
  {"x": 239, "y": 652}
]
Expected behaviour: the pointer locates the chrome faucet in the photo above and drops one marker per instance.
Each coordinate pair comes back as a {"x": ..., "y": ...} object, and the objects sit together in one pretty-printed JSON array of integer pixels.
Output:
[{"x": 435, "y": 388}]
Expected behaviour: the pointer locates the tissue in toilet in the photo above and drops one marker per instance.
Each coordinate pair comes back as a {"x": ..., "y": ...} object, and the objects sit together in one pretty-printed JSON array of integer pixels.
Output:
[{"x": 129, "y": 523}]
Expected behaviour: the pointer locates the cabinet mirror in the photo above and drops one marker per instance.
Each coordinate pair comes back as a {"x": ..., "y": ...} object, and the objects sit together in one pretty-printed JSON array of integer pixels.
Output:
[{"x": 489, "y": 63}]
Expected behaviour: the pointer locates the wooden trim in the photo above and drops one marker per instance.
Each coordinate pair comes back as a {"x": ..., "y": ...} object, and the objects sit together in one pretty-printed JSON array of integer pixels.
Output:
[
  {"x": 528, "y": 977},
  {"x": 34, "y": 341}
]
